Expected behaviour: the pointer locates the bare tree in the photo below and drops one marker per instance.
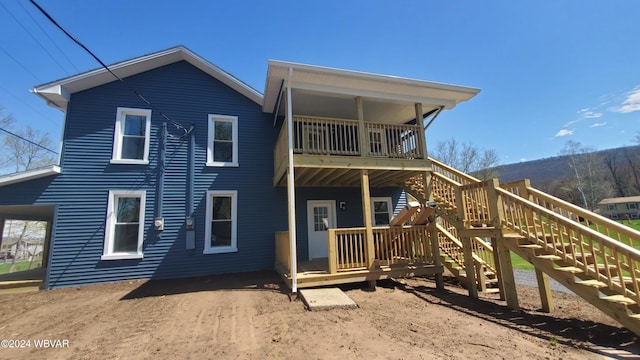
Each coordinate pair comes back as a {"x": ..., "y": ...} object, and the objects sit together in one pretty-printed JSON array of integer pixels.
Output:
[
  {"x": 28, "y": 150},
  {"x": 467, "y": 158},
  {"x": 611, "y": 161},
  {"x": 585, "y": 162}
]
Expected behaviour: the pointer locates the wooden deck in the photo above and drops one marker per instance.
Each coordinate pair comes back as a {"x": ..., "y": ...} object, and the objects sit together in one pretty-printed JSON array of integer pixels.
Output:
[
  {"x": 316, "y": 273},
  {"x": 401, "y": 251}
]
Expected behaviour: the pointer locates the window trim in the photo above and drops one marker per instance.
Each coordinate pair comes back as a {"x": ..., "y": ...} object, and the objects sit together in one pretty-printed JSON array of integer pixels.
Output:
[
  {"x": 107, "y": 252},
  {"x": 208, "y": 249},
  {"x": 387, "y": 199},
  {"x": 122, "y": 112},
  {"x": 234, "y": 138}
]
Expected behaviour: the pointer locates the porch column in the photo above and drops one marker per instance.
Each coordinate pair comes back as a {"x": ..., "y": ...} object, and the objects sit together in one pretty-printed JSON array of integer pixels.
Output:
[
  {"x": 366, "y": 217},
  {"x": 426, "y": 182},
  {"x": 291, "y": 190},
  {"x": 423, "y": 132},
  {"x": 362, "y": 136}
]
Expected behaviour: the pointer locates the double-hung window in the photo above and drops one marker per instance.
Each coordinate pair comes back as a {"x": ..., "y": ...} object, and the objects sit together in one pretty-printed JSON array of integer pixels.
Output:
[
  {"x": 222, "y": 146},
  {"x": 381, "y": 210},
  {"x": 124, "y": 230},
  {"x": 131, "y": 136},
  {"x": 222, "y": 222}
]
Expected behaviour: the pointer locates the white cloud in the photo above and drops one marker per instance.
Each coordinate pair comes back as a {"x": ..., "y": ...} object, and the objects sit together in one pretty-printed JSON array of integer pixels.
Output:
[
  {"x": 631, "y": 103},
  {"x": 598, "y": 124},
  {"x": 570, "y": 123},
  {"x": 564, "y": 132},
  {"x": 587, "y": 113},
  {"x": 523, "y": 159}
]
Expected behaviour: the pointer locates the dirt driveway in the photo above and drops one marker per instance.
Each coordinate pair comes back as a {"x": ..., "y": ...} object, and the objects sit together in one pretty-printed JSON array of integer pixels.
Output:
[{"x": 247, "y": 316}]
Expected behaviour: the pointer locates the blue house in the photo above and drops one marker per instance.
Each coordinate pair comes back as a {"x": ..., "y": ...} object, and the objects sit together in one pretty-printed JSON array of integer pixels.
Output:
[{"x": 183, "y": 170}]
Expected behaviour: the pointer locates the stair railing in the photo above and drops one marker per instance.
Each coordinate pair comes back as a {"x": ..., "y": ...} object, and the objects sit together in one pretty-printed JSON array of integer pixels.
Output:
[
  {"x": 589, "y": 252},
  {"x": 599, "y": 223}
]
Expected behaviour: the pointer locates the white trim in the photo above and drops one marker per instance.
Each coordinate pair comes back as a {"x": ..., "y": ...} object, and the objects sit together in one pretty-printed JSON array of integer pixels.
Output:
[
  {"x": 29, "y": 175},
  {"x": 211, "y": 136},
  {"x": 208, "y": 249},
  {"x": 57, "y": 93},
  {"x": 108, "y": 253},
  {"x": 373, "y": 209},
  {"x": 121, "y": 113}
]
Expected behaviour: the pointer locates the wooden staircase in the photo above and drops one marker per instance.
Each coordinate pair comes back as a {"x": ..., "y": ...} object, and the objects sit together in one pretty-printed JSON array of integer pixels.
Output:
[{"x": 589, "y": 254}]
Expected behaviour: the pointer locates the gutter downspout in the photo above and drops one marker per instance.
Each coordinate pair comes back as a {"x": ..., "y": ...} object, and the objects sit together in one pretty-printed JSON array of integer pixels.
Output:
[
  {"x": 291, "y": 190},
  {"x": 189, "y": 220},
  {"x": 161, "y": 167}
]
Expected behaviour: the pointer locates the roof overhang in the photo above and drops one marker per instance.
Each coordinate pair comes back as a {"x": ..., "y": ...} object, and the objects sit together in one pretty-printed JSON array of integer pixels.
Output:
[
  {"x": 29, "y": 175},
  {"x": 57, "y": 93},
  {"x": 376, "y": 88}
]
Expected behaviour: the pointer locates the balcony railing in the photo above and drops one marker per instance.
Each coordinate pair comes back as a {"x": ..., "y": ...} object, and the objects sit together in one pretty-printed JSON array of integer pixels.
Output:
[{"x": 326, "y": 136}]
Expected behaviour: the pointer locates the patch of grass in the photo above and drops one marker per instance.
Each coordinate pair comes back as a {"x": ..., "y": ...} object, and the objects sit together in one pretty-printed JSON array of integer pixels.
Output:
[
  {"x": 553, "y": 340},
  {"x": 520, "y": 263},
  {"x": 20, "y": 266}
]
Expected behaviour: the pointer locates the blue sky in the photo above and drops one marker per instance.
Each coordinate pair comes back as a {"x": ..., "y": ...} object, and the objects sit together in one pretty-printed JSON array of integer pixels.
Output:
[{"x": 550, "y": 71}]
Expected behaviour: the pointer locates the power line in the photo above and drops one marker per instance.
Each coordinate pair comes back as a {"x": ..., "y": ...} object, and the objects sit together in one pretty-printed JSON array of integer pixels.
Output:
[
  {"x": 176, "y": 124},
  {"x": 20, "y": 64},
  {"x": 27, "y": 140},
  {"x": 47, "y": 35},
  {"x": 33, "y": 37}
]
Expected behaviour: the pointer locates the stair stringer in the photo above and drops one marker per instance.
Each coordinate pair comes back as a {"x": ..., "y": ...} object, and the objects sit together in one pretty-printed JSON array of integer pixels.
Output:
[{"x": 626, "y": 313}]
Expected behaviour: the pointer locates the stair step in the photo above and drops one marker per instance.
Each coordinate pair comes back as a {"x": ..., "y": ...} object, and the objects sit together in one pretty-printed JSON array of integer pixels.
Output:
[
  {"x": 571, "y": 269},
  {"x": 549, "y": 257},
  {"x": 492, "y": 290},
  {"x": 531, "y": 246},
  {"x": 621, "y": 299},
  {"x": 635, "y": 316},
  {"x": 513, "y": 236},
  {"x": 592, "y": 283}
]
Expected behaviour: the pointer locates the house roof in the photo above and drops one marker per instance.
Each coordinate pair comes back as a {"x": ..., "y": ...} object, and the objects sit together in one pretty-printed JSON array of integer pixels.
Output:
[
  {"x": 619, "y": 200},
  {"x": 57, "y": 93},
  {"x": 29, "y": 175},
  {"x": 307, "y": 79}
]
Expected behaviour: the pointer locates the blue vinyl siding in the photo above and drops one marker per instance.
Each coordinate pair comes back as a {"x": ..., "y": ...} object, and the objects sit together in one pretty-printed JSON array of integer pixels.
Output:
[{"x": 188, "y": 96}]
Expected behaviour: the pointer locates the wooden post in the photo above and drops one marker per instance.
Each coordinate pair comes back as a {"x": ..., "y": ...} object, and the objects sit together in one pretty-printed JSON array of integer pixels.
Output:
[
  {"x": 362, "y": 135},
  {"x": 496, "y": 259},
  {"x": 435, "y": 249},
  {"x": 423, "y": 135},
  {"x": 333, "y": 257},
  {"x": 501, "y": 252},
  {"x": 469, "y": 267},
  {"x": 545, "y": 291},
  {"x": 1, "y": 231},
  {"x": 366, "y": 217}
]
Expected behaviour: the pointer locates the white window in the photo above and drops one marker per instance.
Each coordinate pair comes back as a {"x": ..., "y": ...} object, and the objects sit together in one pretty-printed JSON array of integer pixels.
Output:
[
  {"x": 381, "y": 210},
  {"x": 124, "y": 230},
  {"x": 131, "y": 136},
  {"x": 221, "y": 226},
  {"x": 222, "y": 147},
  {"x": 611, "y": 207},
  {"x": 631, "y": 206}
]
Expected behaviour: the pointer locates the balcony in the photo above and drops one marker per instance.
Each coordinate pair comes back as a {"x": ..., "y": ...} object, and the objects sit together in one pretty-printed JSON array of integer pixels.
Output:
[{"x": 349, "y": 144}]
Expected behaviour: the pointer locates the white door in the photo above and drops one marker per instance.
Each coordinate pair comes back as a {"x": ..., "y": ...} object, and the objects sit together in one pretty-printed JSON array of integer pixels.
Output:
[{"x": 321, "y": 215}]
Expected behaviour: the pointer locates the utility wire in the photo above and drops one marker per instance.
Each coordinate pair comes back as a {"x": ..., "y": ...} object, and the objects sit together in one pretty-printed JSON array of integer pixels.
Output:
[
  {"x": 47, "y": 35},
  {"x": 176, "y": 124},
  {"x": 33, "y": 37},
  {"x": 20, "y": 64},
  {"x": 27, "y": 140}
]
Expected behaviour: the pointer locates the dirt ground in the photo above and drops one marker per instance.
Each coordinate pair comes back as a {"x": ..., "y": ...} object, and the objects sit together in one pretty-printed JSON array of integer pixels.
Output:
[{"x": 249, "y": 316}]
